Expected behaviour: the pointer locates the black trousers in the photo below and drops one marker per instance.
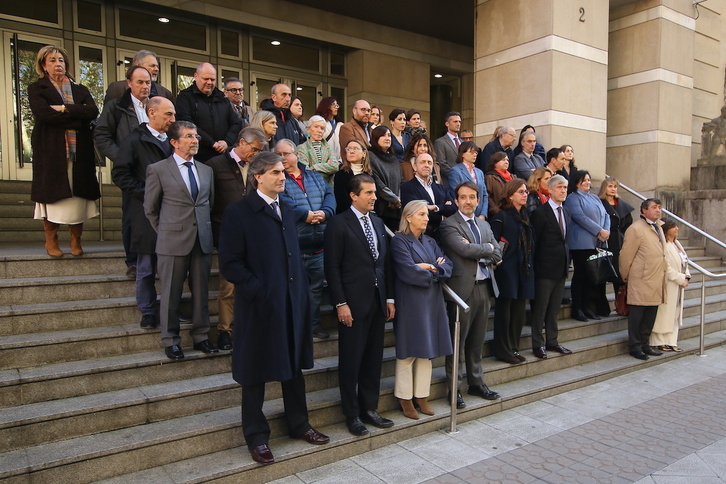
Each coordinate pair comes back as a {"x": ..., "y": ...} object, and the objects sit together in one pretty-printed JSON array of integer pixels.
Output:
[
  {"x": 509, "y": 317},
  {"x": 640, "y": 324},
  {"x": 582, "y": 288},
  {"x": 360, "y": 350},
  {"x": 547, "y": 302},
  {"x": 254, "y": 424},
  {"x": 126, "y": 228}
]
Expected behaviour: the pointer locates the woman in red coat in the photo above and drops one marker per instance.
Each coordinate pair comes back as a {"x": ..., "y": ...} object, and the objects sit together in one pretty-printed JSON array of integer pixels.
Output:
[{"x": 64, "y": 186}]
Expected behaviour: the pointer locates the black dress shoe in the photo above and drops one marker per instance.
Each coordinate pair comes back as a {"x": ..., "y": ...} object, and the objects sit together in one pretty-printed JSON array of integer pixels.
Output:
[
  {"x": 372, "y": 417},
  {"x": 483, "y": 391},
  {"x": 512, "y": 360},
  {"x": 205, "y": 347},
  {"x": 312, "y": 436},
  {"x": 321, "y": 333},
  {"x": 579, "y": 315},
  {"x": 460, "y": 403},
  {"x": 521, "y": 358},
  {"x": 224, "y": 341},
  {"x": 560, "y": 349},
  {"x": 262, "y": 454},
  {"x": 639, "y": 355},
  {"x": 589, "y": 314},
  {"x": 174, "y": 352},
  {"x": 355, "y": 426},
  {"x": 540, "y": 353},
  {"x": 648, "y": 350},
  {"x": 148, "y": 321}
]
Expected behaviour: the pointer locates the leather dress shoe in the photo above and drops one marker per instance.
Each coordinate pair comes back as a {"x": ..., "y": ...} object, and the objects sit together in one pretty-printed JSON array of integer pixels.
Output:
[
  {"x": 174, "y": 352},
  {"x": 589, "y": 314},
  {"x": 639, "y": 355},
  {"x": 312, "y": 436},
  {"x": 224, "y": 340},
  {"x": 483, "y": 391},
  {"x": 521, "y": 358},
  {"x": 205, "y": 347},
  {"x": 579, "y": 315},
  {"x": 560, "y": 349},
  {"x": 648, "y": 350},
  {"x": 355, "y": 426},
  {"x": 148, "y": 321},
  {"x": 460, "y": 403},
  {"x": 372, "y": 417},
  {"x": 540, "y": 353},
  {"x": 512, "y": 360},
  {"x": 262, "y": 454},
  {"x": 321, "y": 333}
]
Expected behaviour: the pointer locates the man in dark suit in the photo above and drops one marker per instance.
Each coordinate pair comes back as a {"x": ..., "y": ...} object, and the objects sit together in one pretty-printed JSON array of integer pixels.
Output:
[
  {"x": 358, "y": 127},
  {"x": 469, "y": 243},
  {"x": 421, "y": 187},
  {"x": 177, "y": 202},
  {"x": 447, "y": 147},
  {"x": 550, "y": 222},
  {"x": 356, "y": 249},
  {"x": 144, "y": 146},
  {"x": 259, "y": 254},
  {"x": 231, "y": 183},
  {"x": 149, "y": 61},
  {"x": 506, "y": 137}
]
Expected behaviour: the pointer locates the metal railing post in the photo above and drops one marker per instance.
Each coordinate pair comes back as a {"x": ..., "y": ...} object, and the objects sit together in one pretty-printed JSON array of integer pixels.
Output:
[
  {"x": 703, "y": 315},
  {"x": 454, "y": 390},
  {"x": 100, "y": 204}
]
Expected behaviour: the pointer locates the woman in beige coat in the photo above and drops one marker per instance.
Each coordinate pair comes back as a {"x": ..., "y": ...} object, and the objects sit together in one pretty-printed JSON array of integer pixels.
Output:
[{"x": 670, "y": 315}]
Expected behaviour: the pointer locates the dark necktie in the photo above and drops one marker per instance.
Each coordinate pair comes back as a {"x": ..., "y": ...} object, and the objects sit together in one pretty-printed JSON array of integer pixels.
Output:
[
  {"x": 369, "y": 235},
  {"x": 457, "y": 143},
  {"x": 561, "y": 221},
  {"x": 474, "y": 230},
  {"x": 239, "y": 110},
  {"x": 275, "y": 206},
  {"x": 657, "y": 232},
  {"x": 193, "y": 187}
]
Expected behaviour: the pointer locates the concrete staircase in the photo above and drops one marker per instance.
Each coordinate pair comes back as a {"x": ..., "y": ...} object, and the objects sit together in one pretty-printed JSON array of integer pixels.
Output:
[{"x": 86, "y": 395}]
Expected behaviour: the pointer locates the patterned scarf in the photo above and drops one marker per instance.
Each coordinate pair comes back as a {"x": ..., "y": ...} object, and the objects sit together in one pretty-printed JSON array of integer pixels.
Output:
[
  {"x": 64, "y": 89},
  {"x": 524, "y": 244}
]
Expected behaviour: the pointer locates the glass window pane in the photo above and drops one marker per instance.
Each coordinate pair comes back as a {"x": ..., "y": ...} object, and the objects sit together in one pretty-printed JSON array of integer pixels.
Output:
[
  {"x": 89, "y": 15},
  {"x": 44, "y": 10},
  {"x": 184, "y": 77},
  {"x": 308, "y": 96},
  {"x": 286, "y": 54},
  {"x": 24, "y": 72},
  {"x": 263, "y": 89},
  {"x": 179, "y": 33},
  {"x": 90, "y": 61},
  {"x": 230, "y": 43},
  {"x": 337, "y": 63}
]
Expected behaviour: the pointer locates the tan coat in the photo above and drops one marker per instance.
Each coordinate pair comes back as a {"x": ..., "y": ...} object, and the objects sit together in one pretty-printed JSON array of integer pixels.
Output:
[
  {"x": 669, "y": 314},
  {"x": 643, "y": 264}
]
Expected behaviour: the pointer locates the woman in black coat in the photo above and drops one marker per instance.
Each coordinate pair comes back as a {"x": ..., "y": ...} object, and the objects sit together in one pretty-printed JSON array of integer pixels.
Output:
[
  {"x": 621, "y": 217},
  {"x": 64, "y": 186},
  {"x": 387, "y": 173},
  {"x": 515, "y": 275}
]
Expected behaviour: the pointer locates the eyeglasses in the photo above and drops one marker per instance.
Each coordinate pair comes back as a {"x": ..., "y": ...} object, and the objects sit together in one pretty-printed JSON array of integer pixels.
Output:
[
  {"x": 364, "y": 110},
  {"x": 523, "y": 191},
  {"x": 237, "y": 90},
  {"x": 467, "y": 138},
  {"x": 335, "y": 105},
  {"x": 191, "y": 136},
  {"x": 350, "y": 150}
]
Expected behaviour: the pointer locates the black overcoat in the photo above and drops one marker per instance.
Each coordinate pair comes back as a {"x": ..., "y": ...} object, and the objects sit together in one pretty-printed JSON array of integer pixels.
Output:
[
  {"x": 512, "y": 280},
  {"x": 50, "y": 168},
  {"x": 260, "y": 255}
]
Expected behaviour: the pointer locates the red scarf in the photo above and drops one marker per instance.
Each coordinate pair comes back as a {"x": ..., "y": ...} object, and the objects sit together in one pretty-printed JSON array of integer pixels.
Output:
[
  {"x": 505, "y": 174},
  {"x": 544, "y": 196}
]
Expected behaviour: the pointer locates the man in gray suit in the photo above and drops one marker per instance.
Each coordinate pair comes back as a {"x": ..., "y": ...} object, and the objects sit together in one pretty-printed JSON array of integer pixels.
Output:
[
  {"x": 177, "y": 202},
  {"x": 469, "y": 243},
  {"x": 447, "y": 147}
]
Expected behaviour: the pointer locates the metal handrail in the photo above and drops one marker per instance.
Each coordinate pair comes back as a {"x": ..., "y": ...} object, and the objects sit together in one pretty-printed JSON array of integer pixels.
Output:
[
  {"x": 704, "y": 272},
  {"x": 679, "y": 219},
  {"x": 460, "y": 304}
]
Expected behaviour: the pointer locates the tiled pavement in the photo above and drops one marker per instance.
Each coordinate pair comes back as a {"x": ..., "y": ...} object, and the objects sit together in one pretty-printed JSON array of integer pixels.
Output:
[{"x": 661, "y": 425}]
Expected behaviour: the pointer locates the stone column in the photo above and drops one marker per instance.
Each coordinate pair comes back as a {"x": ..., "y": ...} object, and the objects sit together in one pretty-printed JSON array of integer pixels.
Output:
[
  {"x": 650, "y": 97},
  {"x": 544, "y": 63}
]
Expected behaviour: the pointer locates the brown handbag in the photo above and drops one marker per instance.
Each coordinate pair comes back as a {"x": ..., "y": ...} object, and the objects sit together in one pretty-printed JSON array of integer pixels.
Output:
[{"x": 621, "y": 301}]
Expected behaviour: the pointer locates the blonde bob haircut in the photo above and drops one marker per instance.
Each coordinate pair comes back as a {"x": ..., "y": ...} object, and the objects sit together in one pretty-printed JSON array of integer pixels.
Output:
[{"x": 43, "y": 53}]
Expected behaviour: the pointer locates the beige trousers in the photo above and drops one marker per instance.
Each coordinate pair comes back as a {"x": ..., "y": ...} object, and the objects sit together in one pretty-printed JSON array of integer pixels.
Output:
[{"x": 413, "y": 378}]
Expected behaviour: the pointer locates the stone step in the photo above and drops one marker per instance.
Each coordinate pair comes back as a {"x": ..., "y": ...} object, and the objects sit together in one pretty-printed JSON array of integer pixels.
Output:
[
  {"x": 209, "y": 445},
  {"x": 40, "y": 265},
  {"x": 43, "y": 422}
]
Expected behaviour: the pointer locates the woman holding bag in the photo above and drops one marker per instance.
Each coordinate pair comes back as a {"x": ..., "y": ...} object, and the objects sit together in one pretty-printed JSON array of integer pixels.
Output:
[{"x": 670, "y": 314}]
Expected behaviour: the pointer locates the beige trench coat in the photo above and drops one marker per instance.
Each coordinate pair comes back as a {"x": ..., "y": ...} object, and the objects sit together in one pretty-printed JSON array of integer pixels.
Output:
[
  {"x": 669, "y": 314},
  {"x": 643, "y": 264}
]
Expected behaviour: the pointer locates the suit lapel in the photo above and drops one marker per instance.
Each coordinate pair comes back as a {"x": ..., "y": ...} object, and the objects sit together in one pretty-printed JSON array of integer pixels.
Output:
[
  {"x": 176, "y": 175},
  {"x": 464, "y": 228},
  {"x": 357, "y": 230}
]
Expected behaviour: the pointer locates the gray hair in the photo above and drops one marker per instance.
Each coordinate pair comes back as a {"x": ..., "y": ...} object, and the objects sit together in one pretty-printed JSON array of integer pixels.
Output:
[
  {"x": 140, "y": 55},
  {"x": 261, "y": 117},
  {"x": 316, "y": 118},
  {"x": 250, "y": 134},
  {"x": 176, "y": 128},
  {"x": 227, "y": 80},
  {"x": 288, "y": 142},
  {"x": 411, "y": 207},
  {"x": 503, "y": 130},
  {"x": 261, "y": 163},
  {"x": 556, "y": 180}
]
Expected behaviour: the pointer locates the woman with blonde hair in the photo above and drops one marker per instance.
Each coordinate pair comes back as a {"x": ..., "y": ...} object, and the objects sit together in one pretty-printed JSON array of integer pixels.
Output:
[
  {"x": 64, "y": 187},
  {"x": 267, "y": 122},
  {"x": 539, "y": 192},
  {"x": 421, "y": 326}
]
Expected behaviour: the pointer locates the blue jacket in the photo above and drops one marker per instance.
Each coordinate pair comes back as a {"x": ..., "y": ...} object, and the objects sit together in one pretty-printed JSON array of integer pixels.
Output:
[
  {"x": 317, "y": 196},
  {"x": 588, "y": 219},
  {"x": 459, "y": 174}
]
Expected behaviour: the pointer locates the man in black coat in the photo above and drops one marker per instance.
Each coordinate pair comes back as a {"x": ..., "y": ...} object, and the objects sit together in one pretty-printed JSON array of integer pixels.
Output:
[
  {"x": 209, "y": 109},
  {"x": 355, "y": 251},
  {"x": 259, "y": 254},
  {"x": 422, "y": 187},
  {"x": 506, "y": 137},
  {"x": 279, "y": 105},
  {"x": 550, "y": 222},
  {"x": 144, "y": 146},
  {"x": 231, "y": 183}
]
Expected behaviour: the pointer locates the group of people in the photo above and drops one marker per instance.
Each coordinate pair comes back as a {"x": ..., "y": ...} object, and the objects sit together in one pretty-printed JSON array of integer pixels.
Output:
[{"x": 291, "y": 205}]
